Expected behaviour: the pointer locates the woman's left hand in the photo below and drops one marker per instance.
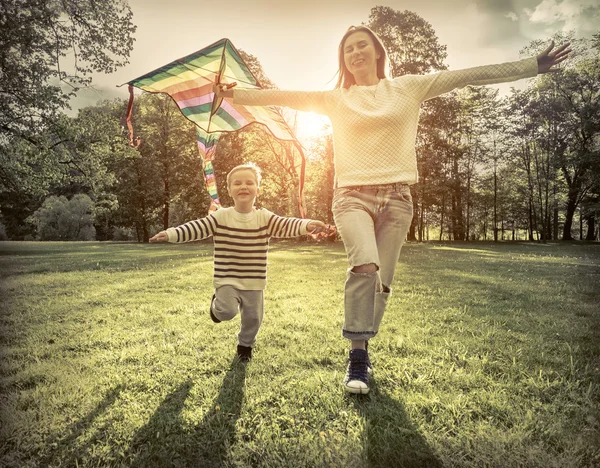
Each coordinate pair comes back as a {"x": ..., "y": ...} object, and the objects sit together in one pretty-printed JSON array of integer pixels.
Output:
[
  {"x": 318, "y": 227},
  {"x": 548, "y": 59}
]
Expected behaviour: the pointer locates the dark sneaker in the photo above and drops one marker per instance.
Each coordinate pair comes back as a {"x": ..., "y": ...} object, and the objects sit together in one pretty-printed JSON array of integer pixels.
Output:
[
  {"x": 212, "y": 316},
  {"x": 369, "y": 363},
  {"x": 244, "y": 353},
  {"x": 357, "y": 376}
]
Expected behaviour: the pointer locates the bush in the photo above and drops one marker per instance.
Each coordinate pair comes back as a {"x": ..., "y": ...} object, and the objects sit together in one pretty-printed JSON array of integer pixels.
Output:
[
  {"x": 123, "y": 234},
  {"x": 62, "y": 219}
]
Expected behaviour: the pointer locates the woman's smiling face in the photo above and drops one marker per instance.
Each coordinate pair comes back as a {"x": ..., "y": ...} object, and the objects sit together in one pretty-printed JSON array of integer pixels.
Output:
[{"x": 360, "y": 56}]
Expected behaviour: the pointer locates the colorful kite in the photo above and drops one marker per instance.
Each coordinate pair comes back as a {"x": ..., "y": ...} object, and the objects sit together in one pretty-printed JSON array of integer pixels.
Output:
[{"x": 189, "y": 81}]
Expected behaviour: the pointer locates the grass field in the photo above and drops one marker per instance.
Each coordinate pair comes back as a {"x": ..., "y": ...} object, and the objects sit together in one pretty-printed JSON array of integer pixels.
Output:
[{"x": 489, "y": 356}]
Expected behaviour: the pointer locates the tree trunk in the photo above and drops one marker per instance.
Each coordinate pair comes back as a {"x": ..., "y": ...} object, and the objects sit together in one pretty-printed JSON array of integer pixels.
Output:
[
  {"x": 531, "y": 222},
  {"x": 591, "y": 227},
  {"x": 442, "y": 216},
  {"x": 411, "y": 236},
  {"x": 555, "y": 215},
  {"x": 422, "y": 212},
  {"x": 571, "y": 207},
  {"x": 166, "y": 204},
  {"x": 468, "y": 220},
  {"x": 495, "y": 198}
]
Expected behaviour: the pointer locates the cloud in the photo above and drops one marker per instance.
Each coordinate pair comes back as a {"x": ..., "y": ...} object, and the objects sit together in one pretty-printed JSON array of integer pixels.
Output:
[{"x": 581, "y": 16}]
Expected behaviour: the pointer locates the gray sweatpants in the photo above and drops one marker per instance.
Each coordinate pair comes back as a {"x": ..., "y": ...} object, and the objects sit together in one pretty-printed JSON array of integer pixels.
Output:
[{"x": 230, "y": 300}]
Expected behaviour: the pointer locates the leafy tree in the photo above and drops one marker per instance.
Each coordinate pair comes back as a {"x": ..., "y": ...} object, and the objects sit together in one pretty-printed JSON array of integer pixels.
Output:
[
  {"x": 320, "y": 178},
  {"x": 477, "y": 110},
  {"x": 90, "y": 147},
  {"x": 61, "y": 219},
  {"x": 48, "y": 49},
  {"x": 410, "y": 41},
  {"x": 566, "y": 107}
]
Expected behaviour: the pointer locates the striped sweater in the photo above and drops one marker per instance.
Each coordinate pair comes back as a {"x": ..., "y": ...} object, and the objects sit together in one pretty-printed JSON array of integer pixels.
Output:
[
  {"x": 375, "y": 127},
  {"x": 241, "y": 243}
]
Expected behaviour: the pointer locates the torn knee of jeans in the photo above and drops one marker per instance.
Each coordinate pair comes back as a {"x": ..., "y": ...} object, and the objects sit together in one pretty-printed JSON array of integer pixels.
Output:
[
  {"x": 364, "y": 275},
  {"x": 385, "y": 289},
  {"x": 353, "y": 269}
]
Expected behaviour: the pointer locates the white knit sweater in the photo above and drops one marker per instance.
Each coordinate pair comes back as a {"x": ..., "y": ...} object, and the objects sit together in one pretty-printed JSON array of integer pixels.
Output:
[{"x": 375, "y": 127}]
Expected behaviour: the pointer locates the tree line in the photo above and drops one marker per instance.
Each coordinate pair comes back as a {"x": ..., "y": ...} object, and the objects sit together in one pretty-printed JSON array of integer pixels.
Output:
[{"x": 524, "y": 166}]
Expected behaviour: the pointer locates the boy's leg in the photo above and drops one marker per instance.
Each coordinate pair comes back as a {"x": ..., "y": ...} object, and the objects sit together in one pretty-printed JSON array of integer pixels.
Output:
[
  {"x": 226, "y": 303},
  {"x": 252, "y": 311}
]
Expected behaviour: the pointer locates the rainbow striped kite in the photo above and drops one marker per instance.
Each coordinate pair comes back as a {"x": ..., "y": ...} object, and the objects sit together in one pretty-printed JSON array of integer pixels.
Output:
[{"x": 189, "y": 81}]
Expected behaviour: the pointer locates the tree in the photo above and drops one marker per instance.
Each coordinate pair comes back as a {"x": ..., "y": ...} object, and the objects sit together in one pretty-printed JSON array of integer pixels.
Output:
[
  {"x": 410, "y": 41},
  {"x": 48, "y": 49},
  {"x": 566, "y": 109},
  {"x": 62, "y": 219}
]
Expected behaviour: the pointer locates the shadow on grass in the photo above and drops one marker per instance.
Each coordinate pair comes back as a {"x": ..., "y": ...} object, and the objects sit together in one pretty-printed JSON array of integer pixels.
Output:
[
  {"x": 215, "y": 435},
  {"x": 391, "y": 438},
  {"x": 166, "y": 441},
  {"x": 62, "y": 450}
]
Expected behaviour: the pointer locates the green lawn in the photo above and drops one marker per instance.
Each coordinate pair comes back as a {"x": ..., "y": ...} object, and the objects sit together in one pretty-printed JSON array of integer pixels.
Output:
[{"x": 489, "y": 356}]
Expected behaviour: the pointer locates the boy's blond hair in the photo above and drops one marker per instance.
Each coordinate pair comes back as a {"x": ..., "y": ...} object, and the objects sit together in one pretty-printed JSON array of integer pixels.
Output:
[{"x": 249, "y": 165}]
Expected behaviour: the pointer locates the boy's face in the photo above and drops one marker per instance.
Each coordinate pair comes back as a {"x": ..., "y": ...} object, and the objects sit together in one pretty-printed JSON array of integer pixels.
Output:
[{"x": 243, "y": 187}]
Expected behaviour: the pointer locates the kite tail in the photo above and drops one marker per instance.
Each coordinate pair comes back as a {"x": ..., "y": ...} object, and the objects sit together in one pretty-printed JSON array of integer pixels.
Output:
[
  {"x": 211, "y": 185},
  {"x": 133, "y": 142},
  {"x": 301, "y": 201},
  {"x": 207, "y": 145}
]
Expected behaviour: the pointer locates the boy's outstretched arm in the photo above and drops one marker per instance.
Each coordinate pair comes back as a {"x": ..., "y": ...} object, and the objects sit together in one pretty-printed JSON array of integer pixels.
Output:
[{"x": 162, "y": 236}]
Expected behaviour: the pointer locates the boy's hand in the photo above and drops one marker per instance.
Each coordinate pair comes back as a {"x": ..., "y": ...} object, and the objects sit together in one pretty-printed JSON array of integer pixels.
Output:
[
  {"x": 162, "y": 236},
  {"x": 317, "y": 227}
]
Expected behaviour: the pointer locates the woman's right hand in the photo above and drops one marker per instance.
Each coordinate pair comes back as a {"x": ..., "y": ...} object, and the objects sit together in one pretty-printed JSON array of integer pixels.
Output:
[
  {"x": 222, "y": 90},
  {"x": 162, "y": 236}
]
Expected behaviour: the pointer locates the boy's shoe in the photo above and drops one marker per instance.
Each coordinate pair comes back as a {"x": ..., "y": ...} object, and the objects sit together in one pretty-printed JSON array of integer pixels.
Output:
[
  {"x": 212, "y": 316},
  {"x": 244, "y": 353},
  {"x": 357, "y": 375}
]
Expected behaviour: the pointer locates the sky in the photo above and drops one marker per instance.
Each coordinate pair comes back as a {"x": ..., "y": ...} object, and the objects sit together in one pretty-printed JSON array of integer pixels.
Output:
[{"x": 296, "y": 40}]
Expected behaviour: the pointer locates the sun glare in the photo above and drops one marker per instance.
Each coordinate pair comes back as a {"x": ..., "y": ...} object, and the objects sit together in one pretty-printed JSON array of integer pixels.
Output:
[{"x": 310, "y": 125}]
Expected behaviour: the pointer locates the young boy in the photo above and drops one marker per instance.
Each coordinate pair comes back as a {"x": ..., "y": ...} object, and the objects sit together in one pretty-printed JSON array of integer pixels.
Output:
[{"x": 241, "y": 238}]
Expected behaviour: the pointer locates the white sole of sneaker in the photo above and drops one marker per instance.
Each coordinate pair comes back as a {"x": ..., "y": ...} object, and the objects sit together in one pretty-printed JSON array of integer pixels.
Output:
[{"x": 357, "y": 390}]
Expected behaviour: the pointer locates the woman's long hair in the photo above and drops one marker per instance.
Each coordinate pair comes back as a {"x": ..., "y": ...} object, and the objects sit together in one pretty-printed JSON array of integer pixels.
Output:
[{"x": 345, "y": 78}]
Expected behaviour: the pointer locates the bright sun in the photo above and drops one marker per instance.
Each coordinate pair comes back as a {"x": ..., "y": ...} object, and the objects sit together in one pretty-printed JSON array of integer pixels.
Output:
[{"x": 310, "y": 125}]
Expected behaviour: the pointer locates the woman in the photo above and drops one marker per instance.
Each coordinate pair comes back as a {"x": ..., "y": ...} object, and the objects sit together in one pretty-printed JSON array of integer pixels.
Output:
[{"x": 374, "y": 122}]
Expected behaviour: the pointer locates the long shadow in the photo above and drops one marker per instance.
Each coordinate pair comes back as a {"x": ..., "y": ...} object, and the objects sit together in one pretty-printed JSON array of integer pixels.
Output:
[
  {"x": 165, "y": 442},
  {"x": 160, "y": 440},
  {"x": 392, "y": 440},
  {"x": 62, "y": 450},
  {"x": 216, "y": 433}
]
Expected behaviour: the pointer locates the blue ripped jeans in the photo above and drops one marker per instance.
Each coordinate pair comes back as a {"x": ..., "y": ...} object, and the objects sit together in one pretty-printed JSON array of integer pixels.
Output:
[{"x": 373, "y": 221}]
